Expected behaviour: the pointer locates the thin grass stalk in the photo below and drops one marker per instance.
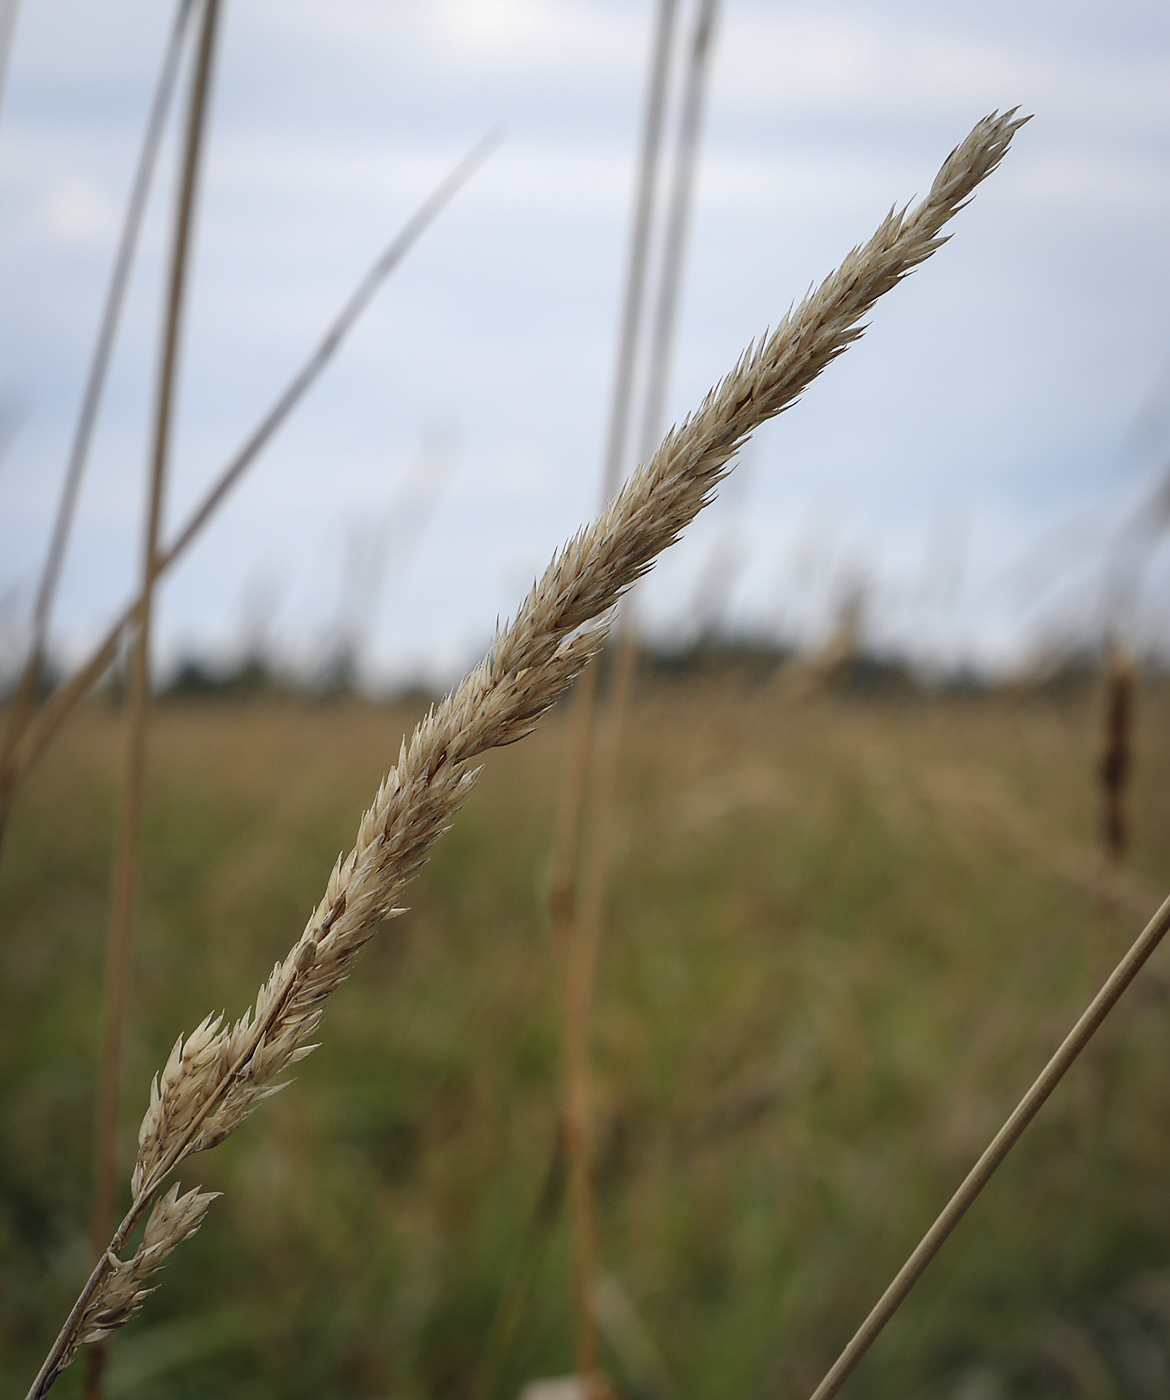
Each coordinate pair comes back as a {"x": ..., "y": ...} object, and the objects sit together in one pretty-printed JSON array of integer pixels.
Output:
[
  {"x": 678, "y": 225},
  {"x": 605, "y": 718},
  {"x": 575, "y": 760},
  {"x": 999, "y": 1147},
  {"x": 216, "y": 1076},
  {"x": 658, "y": 371},
  {"x": 581, "y": 959},
  {"x": 124, "y": 883},
  {"x": 8, "y": 13},
  {"x": 40, "y": 732},
  {"x": 629, "y": 334},
  {"x": 386, "y": 544},
  {"x": 578, "y": 755},
  {"x": 659, "y": 365},
  {"x": 24, "y": 700}
]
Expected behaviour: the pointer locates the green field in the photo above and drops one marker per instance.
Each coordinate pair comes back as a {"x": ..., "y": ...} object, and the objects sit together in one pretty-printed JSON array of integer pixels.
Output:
[{"x": 844, "y": 934}]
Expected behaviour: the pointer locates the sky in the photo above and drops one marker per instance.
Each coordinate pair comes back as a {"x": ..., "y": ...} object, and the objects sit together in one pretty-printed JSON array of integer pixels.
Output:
[{"x": 970, "y": 465}]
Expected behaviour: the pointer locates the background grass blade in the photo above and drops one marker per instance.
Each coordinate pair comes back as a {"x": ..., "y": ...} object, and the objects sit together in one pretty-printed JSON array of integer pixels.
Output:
[
  {"x": 125, "y": 874},
  {"x": 1003, "y": 1142},
  {"x": 40, "y": 731},
  {"x": 24, "y": 699}
]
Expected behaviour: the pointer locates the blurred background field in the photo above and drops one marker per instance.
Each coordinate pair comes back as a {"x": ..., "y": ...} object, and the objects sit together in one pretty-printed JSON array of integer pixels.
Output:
[{"x": 848, "y": 924}]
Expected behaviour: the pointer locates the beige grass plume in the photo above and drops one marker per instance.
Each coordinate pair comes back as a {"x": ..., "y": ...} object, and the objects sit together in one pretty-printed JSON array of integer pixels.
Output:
[{"x": 216, "y": 1076}]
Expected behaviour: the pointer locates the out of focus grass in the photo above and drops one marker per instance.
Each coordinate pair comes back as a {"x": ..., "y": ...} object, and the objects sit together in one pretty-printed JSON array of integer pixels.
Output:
[{"x": 823, "y": 986}]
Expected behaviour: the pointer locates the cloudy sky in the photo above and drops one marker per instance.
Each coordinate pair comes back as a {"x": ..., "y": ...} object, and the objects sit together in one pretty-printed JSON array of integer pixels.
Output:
[{"x": 966, "y": 464}]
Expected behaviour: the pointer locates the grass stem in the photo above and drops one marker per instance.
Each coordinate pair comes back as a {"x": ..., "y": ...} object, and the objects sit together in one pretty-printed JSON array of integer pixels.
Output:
[
  {"x": 604, "y": 706},
  {"x": 1003, "y": 1142},
  {"x": 24, "y": 700},
  {"x": 43, "y": 727},
  {"x": 124, "y": 883},
  {"x": 579, "y": 754}
]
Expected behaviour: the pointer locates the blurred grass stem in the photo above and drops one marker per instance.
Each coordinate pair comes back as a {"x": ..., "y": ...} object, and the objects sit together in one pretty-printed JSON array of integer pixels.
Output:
[
  {"x": 24, "y": 700},
  {"x": 677, "y": 226},
  {"x": 8, "y": 11},
  {"x": 1003, "y": 1142},
  {"x": 44, "y": 725},
  {"x": 578, "y": 756},
  {"x": 124, "y": 883},
  {"x": 593, "y": 762}
]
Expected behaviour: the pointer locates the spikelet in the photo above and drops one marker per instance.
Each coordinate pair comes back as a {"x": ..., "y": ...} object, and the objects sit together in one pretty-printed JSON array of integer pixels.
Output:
[{"x": 121, "y": 1293}]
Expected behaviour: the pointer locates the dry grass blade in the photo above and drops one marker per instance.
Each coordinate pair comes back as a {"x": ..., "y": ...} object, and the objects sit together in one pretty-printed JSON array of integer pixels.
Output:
[
  {"x": 639, "y": 256},
  {"x": 601, "y": 726},
  {"x": 678, "y": 221},
  {"x": 215, "y": 1077},
  {"x": 8, "y": 9},
  {"x": 24, "y": 700},
  {"x": 124, "y": 883},
  {"x": 580, "y": 751},
  {"x": 45, "y": 724},
  {"x": 1003, "y": 1142}
]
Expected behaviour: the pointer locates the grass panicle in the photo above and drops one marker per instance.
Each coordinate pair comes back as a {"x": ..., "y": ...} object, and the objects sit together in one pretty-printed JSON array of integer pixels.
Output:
[{"x": 216, "y": 1077}]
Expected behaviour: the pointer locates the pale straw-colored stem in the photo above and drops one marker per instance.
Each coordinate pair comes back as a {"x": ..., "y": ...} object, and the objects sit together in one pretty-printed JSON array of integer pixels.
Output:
[
  {"x": 578, "y": 757},
  {"x": 630, "y": 330},
  {"x": 575, "y": 759},
  {"x": 581, "y": 960},
  {"x": 605, "y": 707},
  {"x": 219, "y": 1073},
  {"x": 125, "y": 875},
  {"x": 678, "y": 224},
  {"x": 40, "y": 732},
  {"x": 8, "y": 12},
  {"x": 1003, "y": 1142},
  {"x": 24, "y": 699}
]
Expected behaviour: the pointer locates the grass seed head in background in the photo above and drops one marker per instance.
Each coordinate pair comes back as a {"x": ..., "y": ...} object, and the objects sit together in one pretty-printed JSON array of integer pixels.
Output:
[{"x": 215, "y": 1078}]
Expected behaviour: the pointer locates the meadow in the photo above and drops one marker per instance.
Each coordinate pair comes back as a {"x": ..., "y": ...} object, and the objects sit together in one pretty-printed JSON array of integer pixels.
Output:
[{"x": 845, "y": 931}]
